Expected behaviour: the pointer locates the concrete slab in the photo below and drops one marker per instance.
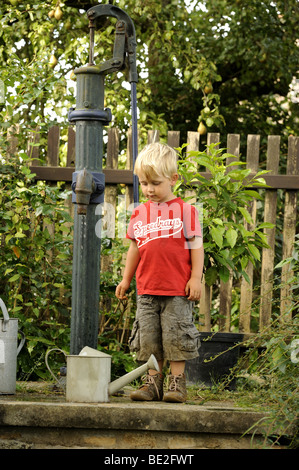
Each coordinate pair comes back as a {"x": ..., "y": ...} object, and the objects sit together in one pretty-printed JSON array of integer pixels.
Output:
[{"x": 48, "y": 421}]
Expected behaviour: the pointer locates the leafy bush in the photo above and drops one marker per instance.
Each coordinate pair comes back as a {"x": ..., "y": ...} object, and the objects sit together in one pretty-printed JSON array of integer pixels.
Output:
[
  {"x": 36, "y": 274},
  {"x": 269, "y": 369},
  {"x": 35, "y": 262},
  {"x": 224, "y": 196},
  {"x": 267, "y": 372}
]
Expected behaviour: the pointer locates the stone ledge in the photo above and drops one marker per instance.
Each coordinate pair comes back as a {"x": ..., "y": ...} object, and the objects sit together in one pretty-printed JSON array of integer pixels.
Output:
[{"x": 157, "y": 417}]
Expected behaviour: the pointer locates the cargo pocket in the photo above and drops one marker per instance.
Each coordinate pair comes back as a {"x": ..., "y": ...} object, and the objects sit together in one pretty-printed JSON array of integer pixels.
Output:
[
  {"x": 134, "y": 340},
  {"x": 188, "y": 337}
]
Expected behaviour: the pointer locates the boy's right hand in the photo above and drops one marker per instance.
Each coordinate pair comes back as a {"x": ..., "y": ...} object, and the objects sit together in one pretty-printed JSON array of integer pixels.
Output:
[{"x": 121, "y": 289}]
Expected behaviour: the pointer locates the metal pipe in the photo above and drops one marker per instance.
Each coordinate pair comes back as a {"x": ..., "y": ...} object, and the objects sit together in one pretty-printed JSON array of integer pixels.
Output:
[
  {"x": 134, "y": 140},
  {"x": 91, "y": 43}
]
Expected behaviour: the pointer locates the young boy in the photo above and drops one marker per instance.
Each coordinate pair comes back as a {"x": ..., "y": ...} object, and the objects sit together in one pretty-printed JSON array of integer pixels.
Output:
[{"x": 166, "y": 252}]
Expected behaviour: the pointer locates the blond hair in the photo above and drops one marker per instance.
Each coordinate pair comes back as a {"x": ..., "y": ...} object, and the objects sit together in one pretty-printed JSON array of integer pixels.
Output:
[{"x": 156, "y": 160}]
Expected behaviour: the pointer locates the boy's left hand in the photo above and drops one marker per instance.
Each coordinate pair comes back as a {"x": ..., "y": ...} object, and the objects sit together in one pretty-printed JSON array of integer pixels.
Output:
[{"x": 193, "y": 289}]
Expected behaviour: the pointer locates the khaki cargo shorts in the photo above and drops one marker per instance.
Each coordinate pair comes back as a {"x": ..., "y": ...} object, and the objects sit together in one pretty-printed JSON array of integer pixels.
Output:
[{"x": 164, "y": 327}]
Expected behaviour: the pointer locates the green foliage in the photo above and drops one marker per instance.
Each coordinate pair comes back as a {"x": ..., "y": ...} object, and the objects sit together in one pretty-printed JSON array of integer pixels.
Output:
[
  {"x": 117, "y": 316},
  {"x": 224, "y": 195},
  {"x": 267, "y": 372},
  {"x": 229, "y": 64},
  {"x": 270, "y": 368},
  {"x": 36, "y": 274},
  {"x": 35, "y": 262}
]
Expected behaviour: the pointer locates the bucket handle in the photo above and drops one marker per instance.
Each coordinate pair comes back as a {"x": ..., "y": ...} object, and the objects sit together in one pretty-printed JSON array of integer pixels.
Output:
[
  {"x": 5, "y": 315},
  {"x": 46, "y": 361}
]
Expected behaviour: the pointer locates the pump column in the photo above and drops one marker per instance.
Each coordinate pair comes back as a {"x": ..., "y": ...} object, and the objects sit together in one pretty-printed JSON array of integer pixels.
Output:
[{"x": 90, "y": 117}]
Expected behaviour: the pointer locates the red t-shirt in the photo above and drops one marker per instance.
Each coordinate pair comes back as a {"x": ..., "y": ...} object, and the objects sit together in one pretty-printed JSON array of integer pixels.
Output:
[{"x": 161, "y": 231}]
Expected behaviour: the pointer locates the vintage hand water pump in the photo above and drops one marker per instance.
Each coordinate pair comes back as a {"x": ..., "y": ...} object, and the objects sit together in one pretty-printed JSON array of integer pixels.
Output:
[{"x": 88, "y": 179}]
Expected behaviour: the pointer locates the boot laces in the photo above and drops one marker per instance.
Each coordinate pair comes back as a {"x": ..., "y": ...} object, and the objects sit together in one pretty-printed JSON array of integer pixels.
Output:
[
  {"x": 175, "y": 383},
  {"x": 150, "y": 380}
]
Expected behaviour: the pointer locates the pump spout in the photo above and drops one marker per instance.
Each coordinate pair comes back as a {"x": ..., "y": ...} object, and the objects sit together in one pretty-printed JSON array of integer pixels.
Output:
[
  {"x": 84, "y": 188},
  {"x": 126, "y": 379}
]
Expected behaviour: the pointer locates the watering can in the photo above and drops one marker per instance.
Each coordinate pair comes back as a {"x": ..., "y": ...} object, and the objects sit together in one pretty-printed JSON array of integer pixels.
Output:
[
  {"x": 88, "y": 376},
  {"x": 9, "y": 351}
]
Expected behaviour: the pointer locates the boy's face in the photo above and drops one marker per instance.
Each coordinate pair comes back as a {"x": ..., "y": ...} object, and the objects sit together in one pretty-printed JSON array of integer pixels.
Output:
[{"x": 158, "y": 189}]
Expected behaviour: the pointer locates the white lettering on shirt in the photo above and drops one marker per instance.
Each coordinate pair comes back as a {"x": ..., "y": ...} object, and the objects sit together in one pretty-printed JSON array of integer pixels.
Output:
[{"x": 146, "y": 232}]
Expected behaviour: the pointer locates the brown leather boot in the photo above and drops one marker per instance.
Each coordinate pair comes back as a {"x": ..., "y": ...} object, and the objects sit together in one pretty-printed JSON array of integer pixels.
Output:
[
  {"x": 177, "y": 391},
  {"x": 151, "y": 390}
]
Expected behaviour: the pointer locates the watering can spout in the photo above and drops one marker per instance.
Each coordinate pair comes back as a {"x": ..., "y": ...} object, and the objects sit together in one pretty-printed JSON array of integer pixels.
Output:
[{"x": 133, "y": 375}]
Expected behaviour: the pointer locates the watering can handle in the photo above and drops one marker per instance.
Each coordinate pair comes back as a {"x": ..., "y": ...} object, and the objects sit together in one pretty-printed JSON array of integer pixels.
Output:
[
  {"x": 5, "y": 315},
  {"x": 5, "y": 322},
  {"x": 46, "y": 361}
]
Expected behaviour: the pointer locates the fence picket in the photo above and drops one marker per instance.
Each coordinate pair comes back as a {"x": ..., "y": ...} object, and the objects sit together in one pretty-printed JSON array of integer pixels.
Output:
[
  {"x": 289, "y": 230},
  {"x": 233, "y": 147},
  {"x": 253, "y": 142},
  {"x": 70, "y": 156},
  {"x": 53, "y": 146},
  {"x": 173, "y": 139},
  {"x": 268, "y": 253},
  {"x": 206, "y": 296}
]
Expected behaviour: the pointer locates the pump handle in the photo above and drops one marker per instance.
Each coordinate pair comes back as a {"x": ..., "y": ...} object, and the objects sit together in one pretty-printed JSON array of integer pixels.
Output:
[{"x": 111, "y": 10}]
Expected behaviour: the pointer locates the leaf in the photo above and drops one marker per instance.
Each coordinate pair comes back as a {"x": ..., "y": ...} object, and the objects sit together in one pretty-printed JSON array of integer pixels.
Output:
[
  {"x": 244, "y": 262},
  {"x": 266, "y": 225},
  {"x": 16, "y": 251},
  {"x": 246, "y": 277},
  {"x": 14, "y": 278},
  {"x": 283, "y": 262},
  {"x": 211, "y": 275},
  {"x": 239, "y": 175},
  {"x": 236, "y": 163},
  {"x": 260, "y": 182},
  {"x": 254, "y": 251},
  {"x": 264, "y": 238},
  {"x": 252, "y": 193},
  {"x": 231, "y": 236},
  {"x": 217, "y": 235},
  {"x": 246, "y": 215},
  {"x": 38, "y": 211},
  {"x": 218, "y": 221},
  {"x": 224, "y": 274},
  {"x": 20, "y": 235}
]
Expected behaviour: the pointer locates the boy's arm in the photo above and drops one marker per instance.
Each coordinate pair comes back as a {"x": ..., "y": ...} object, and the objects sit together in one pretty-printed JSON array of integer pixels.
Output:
[
  {"x": 193, "y": 286},
  {"x": 133, "y": 258}
]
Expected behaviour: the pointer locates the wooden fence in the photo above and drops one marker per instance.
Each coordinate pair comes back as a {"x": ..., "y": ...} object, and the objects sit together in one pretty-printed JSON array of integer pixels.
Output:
[{"x": 278, "y": 179}]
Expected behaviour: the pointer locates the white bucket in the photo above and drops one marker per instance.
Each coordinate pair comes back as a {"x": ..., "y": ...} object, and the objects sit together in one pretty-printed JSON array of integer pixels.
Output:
[{"x": 88, "y": 376}]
